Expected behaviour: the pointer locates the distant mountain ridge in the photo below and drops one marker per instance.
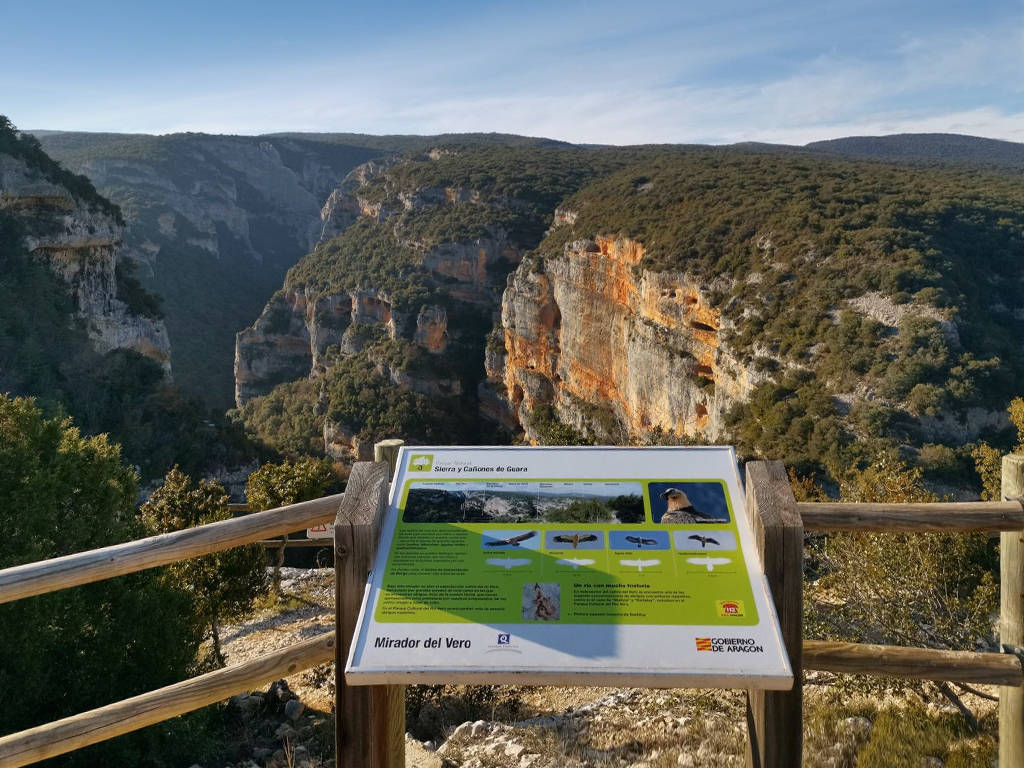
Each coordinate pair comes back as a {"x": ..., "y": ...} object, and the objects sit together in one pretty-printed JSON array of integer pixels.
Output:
[{"x": 928, "y": 147}]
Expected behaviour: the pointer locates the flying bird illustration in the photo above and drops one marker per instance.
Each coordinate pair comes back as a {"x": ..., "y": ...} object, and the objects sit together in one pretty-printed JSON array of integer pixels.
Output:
[
  {"x": 640, "y": 541},
  {"x": 575, "y": 539},
  {"x": 508, "y": 563},
  {"x": 709, "y": 562},
  {"x": 575, "y": 562},
  {"x": 680, "y": 509},
  {"x": 513, "y": 541},
  {"x": 640, "y": 564},
  {"x": 704, "y": 540}
]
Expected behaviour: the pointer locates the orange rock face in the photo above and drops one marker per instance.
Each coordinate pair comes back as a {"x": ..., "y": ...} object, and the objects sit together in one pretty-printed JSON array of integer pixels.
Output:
[{"x": 595, "y": 328}]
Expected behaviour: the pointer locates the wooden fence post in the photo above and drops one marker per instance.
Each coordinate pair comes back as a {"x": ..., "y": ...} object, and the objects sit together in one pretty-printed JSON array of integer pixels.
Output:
[
  {"x": 369, "y": 720},
  {"x": 387, "y": 450},
  {"x": 1011, "y": 617},
  {"x": 775, "y": 718}
]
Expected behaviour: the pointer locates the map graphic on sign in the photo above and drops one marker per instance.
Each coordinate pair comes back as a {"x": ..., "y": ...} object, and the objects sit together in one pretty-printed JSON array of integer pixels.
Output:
[{"x": 603, "y": 566}]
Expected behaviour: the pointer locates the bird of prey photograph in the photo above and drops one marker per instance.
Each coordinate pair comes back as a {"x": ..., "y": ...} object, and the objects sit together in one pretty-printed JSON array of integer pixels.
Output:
[
  {"x": 574, "y": 538},
  {"x": 679, "y": 508},
  {"x": 513, "y": 541},
  {"x": 704, "y": 540},
  {"x": 640, "y": 541}
]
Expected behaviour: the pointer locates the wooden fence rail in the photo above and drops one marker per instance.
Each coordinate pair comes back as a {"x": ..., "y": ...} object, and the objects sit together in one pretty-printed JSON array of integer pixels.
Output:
[
  {"x": 948, "y": 517},
  {"x": 98, "y": 564},
  {"x": 104, "y": 723},
  {"x": 913, "y": 663},
  {"x": 297, "y": 543}
]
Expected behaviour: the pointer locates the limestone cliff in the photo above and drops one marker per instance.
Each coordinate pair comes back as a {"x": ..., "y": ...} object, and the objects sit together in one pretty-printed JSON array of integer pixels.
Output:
[
  {"x": 617, "y": 350},
  {"x": 82, "y": 245},
  {"x": 291, "y": 337},
  {"x": 213, "y": 222},
  {"x": 344, "y": 204}
]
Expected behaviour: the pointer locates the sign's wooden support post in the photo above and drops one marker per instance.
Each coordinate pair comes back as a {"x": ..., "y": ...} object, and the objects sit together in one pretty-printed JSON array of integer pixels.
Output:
[
  {"x": 775, "y": 718},
  {"x": 369, "y": 720},
  {"x": 387, "y": 451},
  {"x": 1011, "y": 617}
]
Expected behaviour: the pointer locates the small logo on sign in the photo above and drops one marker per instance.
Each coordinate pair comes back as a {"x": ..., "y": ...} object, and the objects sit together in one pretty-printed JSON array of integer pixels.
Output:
[
  {"x": 422, "y": 462},
  {"x": 730, "y": 608},
  {"x": 504, "y": 638},
  {"x": 703, "y": 643}
]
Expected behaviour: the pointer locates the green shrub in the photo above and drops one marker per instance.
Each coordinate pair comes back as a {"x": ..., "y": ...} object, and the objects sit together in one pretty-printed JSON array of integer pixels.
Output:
[
  {"x": 903, "y": 738},
  {"x": 988, "y": 459},
  {"x": 923, "y": 590},
  {"x": 291, "y": 481},
  {"x": 286, "y": 418},
  {"x": 551, "y": 430},
  {"x": 223, "y": 585},
  {"x": 76, "y": 649}
]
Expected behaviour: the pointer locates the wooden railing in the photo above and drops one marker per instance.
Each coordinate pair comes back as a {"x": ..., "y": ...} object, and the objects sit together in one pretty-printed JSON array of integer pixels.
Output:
[
  {"x": 356, "y": 515},
  {"x": 370, "y": 720},
  {"x": 774, "y": 718}
]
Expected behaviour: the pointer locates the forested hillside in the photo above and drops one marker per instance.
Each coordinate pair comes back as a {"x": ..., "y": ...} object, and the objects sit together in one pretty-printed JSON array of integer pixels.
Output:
[
  {"x": 874, "y": 302},
  {"x": 405, "y": 297},
  {"x": 808, "y": 308}
]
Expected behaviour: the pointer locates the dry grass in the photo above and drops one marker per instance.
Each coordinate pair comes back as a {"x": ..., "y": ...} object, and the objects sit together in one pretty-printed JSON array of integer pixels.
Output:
[{"x": 706, "y": 729}]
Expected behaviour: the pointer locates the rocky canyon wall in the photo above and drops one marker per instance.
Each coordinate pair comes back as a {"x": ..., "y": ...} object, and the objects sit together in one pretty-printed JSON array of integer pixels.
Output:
[
  {"x": 594, "y": 335},
  {"x": 81, "y": 245}
]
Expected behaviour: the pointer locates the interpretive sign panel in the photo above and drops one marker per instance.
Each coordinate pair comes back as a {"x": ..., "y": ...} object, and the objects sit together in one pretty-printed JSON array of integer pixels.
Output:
[{"x": 583, "y": 566}]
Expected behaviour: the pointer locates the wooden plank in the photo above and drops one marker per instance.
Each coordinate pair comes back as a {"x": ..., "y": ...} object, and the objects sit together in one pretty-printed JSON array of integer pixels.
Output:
[
  {"x": 98, "y": 564},
  {"x": 300, "y": 543},
  {"x": 775, "y": 718},
  {"x": 387, "y": 451},
  {"x": 1011, "y": 617},
  {"x": 913, "y": 518},
  {"x": 369, "y": 720},
  {"x": 104, "y": 723},
  {"x": 913, "y": 663}
]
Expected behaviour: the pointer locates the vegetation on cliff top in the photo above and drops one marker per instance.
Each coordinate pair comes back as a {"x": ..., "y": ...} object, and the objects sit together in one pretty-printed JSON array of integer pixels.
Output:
[
  {"x": 895, "y": 282},
  {"x": 509, "y": 191},
  {"x": 27, "y": 148},
  {"x": 880, "y": 295}
]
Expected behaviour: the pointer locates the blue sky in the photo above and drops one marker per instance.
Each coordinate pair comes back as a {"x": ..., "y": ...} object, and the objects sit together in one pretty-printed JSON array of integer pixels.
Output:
[{"x": 630, "y": 71}]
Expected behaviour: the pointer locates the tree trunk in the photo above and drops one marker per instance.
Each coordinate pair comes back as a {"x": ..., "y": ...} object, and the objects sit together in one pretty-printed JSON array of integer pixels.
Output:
[
  {"x": 215, "y": 635},
  {"x": 278, "y": 562}
]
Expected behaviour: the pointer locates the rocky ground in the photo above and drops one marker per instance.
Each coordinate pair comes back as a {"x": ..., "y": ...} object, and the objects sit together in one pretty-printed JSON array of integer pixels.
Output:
[{"x": 291, "y": 723}]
